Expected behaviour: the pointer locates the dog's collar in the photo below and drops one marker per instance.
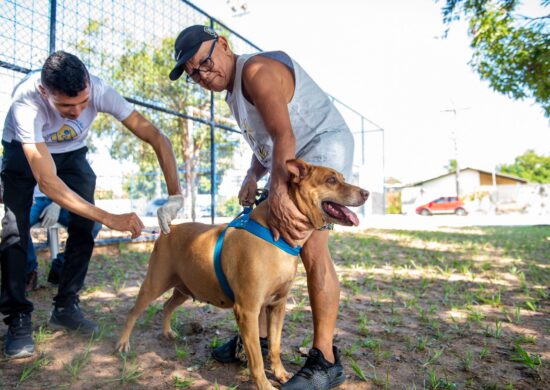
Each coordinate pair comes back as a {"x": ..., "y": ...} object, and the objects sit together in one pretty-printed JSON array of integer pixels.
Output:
[{"x": 243, "y": 221}]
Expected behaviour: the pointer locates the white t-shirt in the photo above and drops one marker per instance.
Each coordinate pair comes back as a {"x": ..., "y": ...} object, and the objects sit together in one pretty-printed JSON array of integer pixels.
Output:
[{"x": 31, "y": 118}]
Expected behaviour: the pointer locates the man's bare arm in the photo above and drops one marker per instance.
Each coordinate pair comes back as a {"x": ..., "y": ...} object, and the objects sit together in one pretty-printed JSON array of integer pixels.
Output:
[
  {"x": 256, "y": 170},
  {"x": 45, "y": 173},
  {"x": 270, "y": 86},
  {"x": 147, "y": 132}
]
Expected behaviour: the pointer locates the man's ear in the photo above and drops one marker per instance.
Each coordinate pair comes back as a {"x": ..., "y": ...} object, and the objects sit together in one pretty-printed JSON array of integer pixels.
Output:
[
  {"x": 42, "y": 91},
  {"x": 297, "y": 170},
  {"x": 222, "y": 41}
]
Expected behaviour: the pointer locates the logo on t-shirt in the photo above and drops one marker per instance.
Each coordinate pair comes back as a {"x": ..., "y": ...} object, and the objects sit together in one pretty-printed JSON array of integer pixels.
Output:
[
  {"x": 65, "y": 133},
  {"x": 262, "y": 151}
]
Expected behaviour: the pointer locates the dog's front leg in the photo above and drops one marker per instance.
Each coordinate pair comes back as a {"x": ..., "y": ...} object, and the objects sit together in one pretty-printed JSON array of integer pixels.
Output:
[
  {"x": 247, "y": 318},
  {"x": 276, "y": 318}
]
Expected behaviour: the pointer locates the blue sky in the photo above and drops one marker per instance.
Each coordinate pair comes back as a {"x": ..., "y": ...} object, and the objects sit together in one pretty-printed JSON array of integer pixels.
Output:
[{"x": 387, "y": 60}]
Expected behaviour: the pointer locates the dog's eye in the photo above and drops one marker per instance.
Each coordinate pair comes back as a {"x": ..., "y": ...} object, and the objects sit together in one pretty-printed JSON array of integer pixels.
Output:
[{"x": 332, "y": 180}]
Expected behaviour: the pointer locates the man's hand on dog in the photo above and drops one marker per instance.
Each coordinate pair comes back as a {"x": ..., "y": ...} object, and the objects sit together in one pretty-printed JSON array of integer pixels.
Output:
[
  {"x": 169, "y": 211},
  {"x": 129, "y": 222},
  {"x": 284, "y": 219}
]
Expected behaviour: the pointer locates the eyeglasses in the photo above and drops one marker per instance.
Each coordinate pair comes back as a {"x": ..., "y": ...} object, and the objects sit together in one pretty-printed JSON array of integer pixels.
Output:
[{"x": 205, "y": 65}]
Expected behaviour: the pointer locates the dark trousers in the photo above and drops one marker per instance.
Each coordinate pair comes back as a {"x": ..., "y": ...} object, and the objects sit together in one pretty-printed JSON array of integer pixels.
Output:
[{"x": 19, "y": 183}]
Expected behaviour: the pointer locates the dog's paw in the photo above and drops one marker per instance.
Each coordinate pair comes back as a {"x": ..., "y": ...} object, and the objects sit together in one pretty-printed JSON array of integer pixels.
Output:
[
  {"x": 265, "y": 385},
  {"x": 123, "y": 347},
  {"x": 170, "y": 334},
  {"x": 283, "y": 375}
]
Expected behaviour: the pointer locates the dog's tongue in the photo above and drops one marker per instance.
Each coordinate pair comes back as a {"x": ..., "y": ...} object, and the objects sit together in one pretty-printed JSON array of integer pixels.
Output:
[{"x": 341, "y": 213}]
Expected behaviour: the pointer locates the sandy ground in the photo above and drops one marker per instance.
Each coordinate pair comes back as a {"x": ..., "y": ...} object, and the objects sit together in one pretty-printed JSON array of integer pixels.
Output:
[{"x": 404, "y": 323}]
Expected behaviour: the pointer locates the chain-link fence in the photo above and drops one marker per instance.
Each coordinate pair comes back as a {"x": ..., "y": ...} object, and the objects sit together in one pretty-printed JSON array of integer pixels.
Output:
[{"x": 129, "y": 45}]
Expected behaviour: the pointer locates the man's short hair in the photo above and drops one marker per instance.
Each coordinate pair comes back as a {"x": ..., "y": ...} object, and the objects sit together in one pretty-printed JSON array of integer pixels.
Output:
[{"x": 64, "y": 73}]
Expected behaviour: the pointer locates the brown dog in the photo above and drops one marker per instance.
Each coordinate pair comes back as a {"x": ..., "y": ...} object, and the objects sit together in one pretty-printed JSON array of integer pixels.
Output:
[{"x": 259, "y": 273}]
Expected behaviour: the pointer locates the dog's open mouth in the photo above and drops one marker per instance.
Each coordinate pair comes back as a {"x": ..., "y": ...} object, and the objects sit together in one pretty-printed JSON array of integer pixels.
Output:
[{"x": 342, "y": 214}]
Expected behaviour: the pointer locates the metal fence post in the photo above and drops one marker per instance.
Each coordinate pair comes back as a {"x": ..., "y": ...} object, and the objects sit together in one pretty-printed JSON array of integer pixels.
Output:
[
  {"x": 363, "y": 141},
  {"x": 53, "y": 18},
  {"x": 383, "y": 173},
  {"x": 212, "y": 153},
  {"x": 44, "y": 21}
]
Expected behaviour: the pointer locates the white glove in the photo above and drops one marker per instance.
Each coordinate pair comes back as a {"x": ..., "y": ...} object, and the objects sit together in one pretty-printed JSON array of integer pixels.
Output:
[
  {"x": 168, "y": 212},
  {"x": 50, "y": 215}
]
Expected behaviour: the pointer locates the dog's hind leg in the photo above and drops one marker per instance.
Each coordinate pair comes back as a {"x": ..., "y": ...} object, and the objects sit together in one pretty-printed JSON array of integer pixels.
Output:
[
  {"x": 177, "y": 298},
  {"x": 247, "y": 318},
  {"x": 151, "y": 289},
  {"x": 276, "y": 318}
]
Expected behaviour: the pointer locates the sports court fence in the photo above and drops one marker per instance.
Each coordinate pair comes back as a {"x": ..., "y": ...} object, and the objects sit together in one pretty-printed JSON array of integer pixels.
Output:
[{"x": 129, "y": 45}]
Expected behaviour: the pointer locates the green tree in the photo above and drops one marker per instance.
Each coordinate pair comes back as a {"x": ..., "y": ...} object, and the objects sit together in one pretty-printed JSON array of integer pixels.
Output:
[
  {"x": 141, "y": 72},
  {"x": 230, "y": 207},
  {"x": 530, "y": 166},
  {"x": 511, "y": 51},
  {"x": 451, "y": 166}
]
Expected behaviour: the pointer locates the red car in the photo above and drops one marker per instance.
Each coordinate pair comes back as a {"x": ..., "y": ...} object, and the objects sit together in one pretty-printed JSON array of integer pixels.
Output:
[{"x": 443, "y": 205}]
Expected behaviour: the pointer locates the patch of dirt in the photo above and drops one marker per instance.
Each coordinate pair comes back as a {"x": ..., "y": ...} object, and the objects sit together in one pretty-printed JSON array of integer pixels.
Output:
[{"x": 401, "y": 326}]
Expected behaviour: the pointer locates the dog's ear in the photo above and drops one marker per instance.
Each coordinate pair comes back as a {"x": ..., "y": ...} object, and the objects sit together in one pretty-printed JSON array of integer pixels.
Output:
[{"x": 297, "y": 170}]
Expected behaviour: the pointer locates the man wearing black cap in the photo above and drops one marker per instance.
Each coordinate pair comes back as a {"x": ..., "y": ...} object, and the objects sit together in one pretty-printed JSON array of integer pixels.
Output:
[
  {"x": 44, "y": 142},
  {"x": 283, "y": 114}
]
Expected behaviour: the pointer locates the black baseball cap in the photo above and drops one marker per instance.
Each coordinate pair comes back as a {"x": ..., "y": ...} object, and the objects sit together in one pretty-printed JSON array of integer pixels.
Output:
[{"x": 187, "y": 44}]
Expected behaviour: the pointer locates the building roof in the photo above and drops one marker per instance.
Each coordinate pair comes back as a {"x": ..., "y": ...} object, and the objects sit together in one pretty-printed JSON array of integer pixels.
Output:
[{"x": 499, "y": 174}]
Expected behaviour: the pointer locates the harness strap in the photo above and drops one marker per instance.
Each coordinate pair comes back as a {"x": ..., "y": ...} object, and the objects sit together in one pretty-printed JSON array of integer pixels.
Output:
[
  {"x": 222, "y": 280},
  {"x": 243, "y": 221}
]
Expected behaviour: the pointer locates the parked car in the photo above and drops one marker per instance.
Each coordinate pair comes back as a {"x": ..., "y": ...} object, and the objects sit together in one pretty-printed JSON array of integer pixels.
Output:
[{"x": 443, "y": 205}]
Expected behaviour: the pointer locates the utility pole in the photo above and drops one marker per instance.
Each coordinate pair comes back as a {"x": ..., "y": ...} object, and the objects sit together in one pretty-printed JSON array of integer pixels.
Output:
[{"x": 454, "y": 111}]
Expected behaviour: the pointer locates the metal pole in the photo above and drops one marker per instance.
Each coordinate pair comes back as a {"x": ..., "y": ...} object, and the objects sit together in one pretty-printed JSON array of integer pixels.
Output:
[
  {"x": 363, "y": 141},
  {"x": 212, "y": 160},
  {"x": 383, "y": 175},
  {"x": 457, "y": 170},
  {"x": 212, "y": 154},
  {"x": 131, "y": 192},
  {"x": 53, "y": 18},
  {"x": 454, "y": 131},
  {"x": 53, "y": 240}
]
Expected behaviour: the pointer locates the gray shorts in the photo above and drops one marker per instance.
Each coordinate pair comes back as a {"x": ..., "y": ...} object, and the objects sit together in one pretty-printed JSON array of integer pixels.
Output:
[{"x": 333, "y": 149}]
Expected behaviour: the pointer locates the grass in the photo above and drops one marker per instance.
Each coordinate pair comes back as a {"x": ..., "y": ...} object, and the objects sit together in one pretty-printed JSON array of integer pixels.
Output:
[
  {"x": 77, "y": 364},
  {"x": 440, "y": 309},
  {"x": 181, "y": 352},
  {"x": 520, "y": 355},
  {"x": 358, "y": 371},
  {"x": 38, "y": 363},
  {"x": 182, "y": 383},
  {"x": 130, "y": 370}
]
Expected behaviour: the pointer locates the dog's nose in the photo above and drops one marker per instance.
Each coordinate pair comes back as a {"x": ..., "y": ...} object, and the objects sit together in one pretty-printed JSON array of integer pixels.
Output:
[{"x": 365, "y": 194}]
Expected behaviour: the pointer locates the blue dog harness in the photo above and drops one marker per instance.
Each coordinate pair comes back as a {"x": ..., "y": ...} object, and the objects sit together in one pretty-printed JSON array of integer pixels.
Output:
[{"x": 243, "y": 221}]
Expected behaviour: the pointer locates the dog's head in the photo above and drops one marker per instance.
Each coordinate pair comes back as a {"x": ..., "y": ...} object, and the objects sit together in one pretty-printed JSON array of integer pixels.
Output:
[{"x": 322, "y": 195}]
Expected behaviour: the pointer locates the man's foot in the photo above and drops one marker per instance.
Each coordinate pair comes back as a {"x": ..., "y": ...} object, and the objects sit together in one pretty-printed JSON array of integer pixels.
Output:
[
  {"x": 18, "y": 342},
  {"x": 71, "y": 318},
  {"x": 31, "y": 281},
  {"x": 233, "y": 351},
  {"x": 53, "y": 277},
  {"x": 318, "y": 373}
]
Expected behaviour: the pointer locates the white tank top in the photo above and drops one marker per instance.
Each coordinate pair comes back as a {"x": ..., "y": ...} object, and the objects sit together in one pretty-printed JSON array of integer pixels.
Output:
[{"x": 311, "y": 111}]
